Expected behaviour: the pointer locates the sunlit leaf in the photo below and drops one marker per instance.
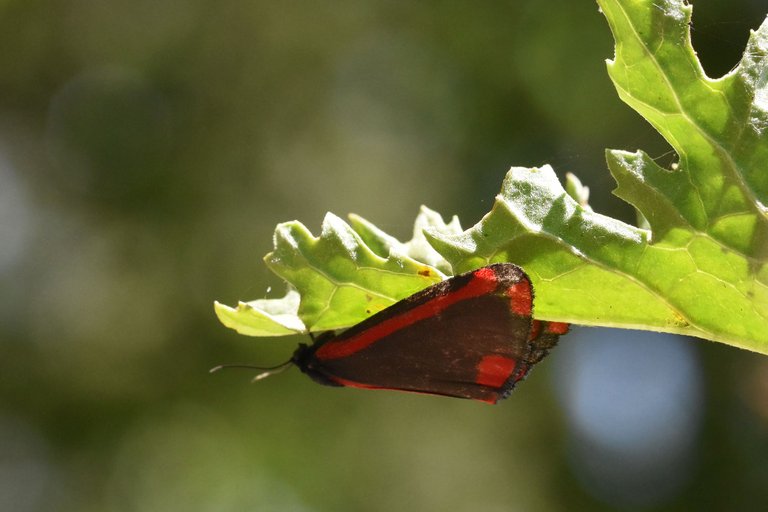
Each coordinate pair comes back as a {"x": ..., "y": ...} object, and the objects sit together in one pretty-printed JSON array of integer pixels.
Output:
[{"x": 697, "y": 265}]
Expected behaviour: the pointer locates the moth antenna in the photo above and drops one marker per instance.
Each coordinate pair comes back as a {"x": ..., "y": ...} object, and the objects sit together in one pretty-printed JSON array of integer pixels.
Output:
[
  {"x": 268, "y": 370},
  {"x": 273, "y": 371}
]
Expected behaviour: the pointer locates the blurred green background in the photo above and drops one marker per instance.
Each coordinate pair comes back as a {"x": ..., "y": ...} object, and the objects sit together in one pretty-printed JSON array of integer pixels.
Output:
[{"x": 147, "y": 150}]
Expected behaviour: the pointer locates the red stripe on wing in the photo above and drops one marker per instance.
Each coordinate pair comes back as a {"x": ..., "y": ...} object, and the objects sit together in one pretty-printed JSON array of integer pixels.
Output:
[
  {"x": 483, "y": 281},
  {"x": 492, "y": 398}
]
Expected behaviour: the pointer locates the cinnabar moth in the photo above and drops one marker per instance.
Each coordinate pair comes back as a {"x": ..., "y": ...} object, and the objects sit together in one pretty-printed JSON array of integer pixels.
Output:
[{"x": 470, "y": 336}]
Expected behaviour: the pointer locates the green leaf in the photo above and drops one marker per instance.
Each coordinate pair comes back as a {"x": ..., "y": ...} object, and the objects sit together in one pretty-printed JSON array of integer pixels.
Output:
[
  {"x": 418, "y": 247},
  {"x": 339, "y": 276},
  {"x": 263, "y": 317},
  {"x": 698, "y": 265}
]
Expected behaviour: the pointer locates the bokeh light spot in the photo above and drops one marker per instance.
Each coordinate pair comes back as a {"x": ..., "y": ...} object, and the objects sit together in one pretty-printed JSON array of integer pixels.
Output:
[{"x": 633, "y": 402}]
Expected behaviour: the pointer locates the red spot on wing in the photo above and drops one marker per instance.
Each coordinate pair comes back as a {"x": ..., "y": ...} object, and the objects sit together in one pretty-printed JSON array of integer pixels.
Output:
[
  {"x": 483, "y": 282},
  {"x": 535, "y": 330},
  {"x": 520, "y": 298},
  {"x": 485, "y": 274},
  {"x": 558, "y": 327},
  {"x": 493, "y": 371}
]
